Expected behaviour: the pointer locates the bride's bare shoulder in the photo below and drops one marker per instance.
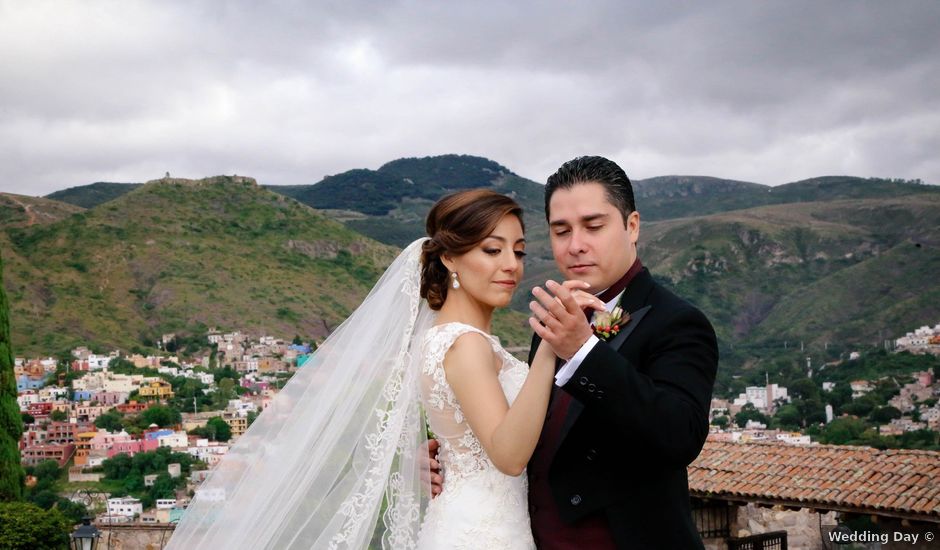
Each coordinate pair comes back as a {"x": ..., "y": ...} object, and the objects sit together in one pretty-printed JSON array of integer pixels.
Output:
[{"x": 470, "y": 351}]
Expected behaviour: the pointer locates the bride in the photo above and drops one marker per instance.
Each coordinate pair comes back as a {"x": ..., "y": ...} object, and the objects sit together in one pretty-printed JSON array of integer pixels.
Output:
[{"x": 339, "y": 459}]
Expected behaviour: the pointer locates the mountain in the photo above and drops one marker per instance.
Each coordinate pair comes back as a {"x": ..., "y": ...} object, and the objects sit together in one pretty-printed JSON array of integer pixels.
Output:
[
  {"x": 669, "y": 197},
  {"x": 183, "y": 255},
  {"x": 389, "y": 205},
  {"x": 24, "y": 211},
  {"x": 89, "y": 196},
  {"x": 848, "y": 271},
  {"x": 835, "y": 259}
]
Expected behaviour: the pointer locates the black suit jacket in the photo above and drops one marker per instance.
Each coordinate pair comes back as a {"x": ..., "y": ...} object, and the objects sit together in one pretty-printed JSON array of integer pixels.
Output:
[{"x": 639, "y": 417}]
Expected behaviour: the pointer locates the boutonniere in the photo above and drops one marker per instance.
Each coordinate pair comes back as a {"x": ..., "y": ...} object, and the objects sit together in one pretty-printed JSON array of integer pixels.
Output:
[{"x": 608, "y": 323}]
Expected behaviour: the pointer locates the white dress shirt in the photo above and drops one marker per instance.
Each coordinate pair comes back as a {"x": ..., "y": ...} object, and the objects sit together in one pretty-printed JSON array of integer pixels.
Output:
[{"x": 571, "y": 366}]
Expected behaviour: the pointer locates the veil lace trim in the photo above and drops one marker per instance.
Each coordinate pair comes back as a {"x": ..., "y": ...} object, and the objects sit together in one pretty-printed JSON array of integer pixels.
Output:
[{"x": 334, "y": 462}]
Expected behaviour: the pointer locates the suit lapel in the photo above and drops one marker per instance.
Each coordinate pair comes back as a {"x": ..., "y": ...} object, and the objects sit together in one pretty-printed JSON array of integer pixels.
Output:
[{"x": 576, "y": 407}]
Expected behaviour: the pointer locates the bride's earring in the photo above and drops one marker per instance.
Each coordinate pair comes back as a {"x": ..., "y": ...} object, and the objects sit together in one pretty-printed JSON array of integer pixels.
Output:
[{"x": 454, "y": 282}]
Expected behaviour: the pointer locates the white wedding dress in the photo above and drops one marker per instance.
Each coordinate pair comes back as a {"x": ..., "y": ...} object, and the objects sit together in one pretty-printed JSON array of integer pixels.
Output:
[{"x": 479, "y": 507}]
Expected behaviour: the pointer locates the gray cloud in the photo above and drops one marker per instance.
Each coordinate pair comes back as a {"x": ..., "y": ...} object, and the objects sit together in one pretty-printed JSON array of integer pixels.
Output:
[{"x": 290, "y": 92}]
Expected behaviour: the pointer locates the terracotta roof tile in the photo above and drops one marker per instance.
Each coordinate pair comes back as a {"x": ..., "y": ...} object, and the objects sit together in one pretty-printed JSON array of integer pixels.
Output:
[{"x": 866, "y": 479}]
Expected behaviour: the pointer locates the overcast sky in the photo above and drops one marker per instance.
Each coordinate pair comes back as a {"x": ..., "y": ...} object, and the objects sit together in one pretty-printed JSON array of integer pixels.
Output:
[{"x": 289, "y": 92}]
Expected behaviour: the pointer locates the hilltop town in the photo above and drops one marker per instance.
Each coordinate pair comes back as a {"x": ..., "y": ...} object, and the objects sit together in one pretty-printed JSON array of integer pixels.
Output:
[{"x": 132, "y": 436}]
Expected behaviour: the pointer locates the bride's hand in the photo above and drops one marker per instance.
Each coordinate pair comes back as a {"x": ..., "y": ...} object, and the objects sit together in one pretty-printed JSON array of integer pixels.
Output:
[{"x": 585, "y": 299}]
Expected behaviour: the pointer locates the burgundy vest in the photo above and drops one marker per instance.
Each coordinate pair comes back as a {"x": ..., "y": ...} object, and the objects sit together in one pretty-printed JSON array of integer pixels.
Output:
[{"x": 550, "y": 532}]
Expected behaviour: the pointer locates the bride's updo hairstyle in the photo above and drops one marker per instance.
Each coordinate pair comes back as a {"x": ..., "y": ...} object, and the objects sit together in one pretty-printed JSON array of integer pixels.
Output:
[{"x": 456, "y": 224}]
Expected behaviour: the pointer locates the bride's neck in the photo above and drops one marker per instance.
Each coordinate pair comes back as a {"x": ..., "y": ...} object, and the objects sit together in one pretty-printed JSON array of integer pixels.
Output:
[{"x": 462, "y": 308}]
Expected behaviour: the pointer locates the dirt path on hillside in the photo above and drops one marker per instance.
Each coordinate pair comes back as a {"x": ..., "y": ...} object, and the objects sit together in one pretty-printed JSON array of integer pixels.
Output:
[{"x": 30, "y": 215}]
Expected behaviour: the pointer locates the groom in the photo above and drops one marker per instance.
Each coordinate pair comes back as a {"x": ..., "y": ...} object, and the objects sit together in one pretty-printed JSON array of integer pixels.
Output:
[{"x": 629, "y": 411}]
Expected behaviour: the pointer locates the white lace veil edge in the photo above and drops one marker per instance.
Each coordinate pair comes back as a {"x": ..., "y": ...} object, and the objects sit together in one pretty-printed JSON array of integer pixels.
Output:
[{"x": 335, "y": 460}]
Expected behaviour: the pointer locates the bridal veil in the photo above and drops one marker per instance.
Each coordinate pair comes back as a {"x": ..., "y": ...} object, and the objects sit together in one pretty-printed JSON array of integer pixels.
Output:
[{"x": 335, "y": 460}]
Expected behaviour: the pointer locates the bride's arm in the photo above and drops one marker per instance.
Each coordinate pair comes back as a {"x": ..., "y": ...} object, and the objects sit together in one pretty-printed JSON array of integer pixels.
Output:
[{"x": 508, "y": 434}]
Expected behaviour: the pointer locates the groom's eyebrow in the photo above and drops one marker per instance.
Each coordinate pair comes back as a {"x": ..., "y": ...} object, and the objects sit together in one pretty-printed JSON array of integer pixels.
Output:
[{"x": 584, "y": 219}]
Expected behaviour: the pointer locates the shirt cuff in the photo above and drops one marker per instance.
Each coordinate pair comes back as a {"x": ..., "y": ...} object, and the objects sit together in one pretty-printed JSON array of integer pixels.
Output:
[{"x": 568, "y": 369}]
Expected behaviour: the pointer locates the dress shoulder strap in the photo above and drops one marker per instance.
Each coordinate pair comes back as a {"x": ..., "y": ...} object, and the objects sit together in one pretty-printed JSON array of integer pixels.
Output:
[{"x": 442, "y": 337}]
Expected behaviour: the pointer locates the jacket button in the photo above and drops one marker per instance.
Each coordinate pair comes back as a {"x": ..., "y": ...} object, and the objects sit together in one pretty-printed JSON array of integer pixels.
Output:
[
  {"x": 591, "y": 388},
  {"x": 591, "y": 454},
  {"x": 576, "y": 500},
  {"x": 583, "y": 381}
]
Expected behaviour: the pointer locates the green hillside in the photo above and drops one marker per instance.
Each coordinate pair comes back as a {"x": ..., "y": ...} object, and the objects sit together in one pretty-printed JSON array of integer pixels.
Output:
[
  {"x": 834, "y": 259},
  {"x": 839, "y": 272},
  {"x": 24, "y": 211},
  {"x": 89, "y": 196},
  {"x": 670, "y": 197},
  {"x": 183, "y": 255}
]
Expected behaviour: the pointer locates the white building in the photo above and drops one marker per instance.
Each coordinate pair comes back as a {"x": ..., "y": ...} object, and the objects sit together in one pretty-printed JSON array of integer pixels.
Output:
[
  {"x": 919, "y": 338},
  {"x": 172, "y": 371},
  {"x": 98, "y": 362},
  {"x": 166, "y": 503},
  {"x": 124, "y": 506},
  {"x": 175, "y": 440},
  {"x": 27, "y": 398},
  {"x": 758, "y": 396},
  {"x": 210, "y": 454},
  {"x": 860, "y": 388},
  {"x": 793, "y": 438}
]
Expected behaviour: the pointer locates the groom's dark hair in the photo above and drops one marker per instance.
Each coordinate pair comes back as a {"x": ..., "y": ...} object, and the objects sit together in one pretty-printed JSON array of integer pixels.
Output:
[{"x": 594, "y": 170}]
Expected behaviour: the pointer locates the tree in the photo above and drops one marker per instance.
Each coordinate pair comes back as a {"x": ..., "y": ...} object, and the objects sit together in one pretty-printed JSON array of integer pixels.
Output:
[
  {"x": 750, "y": 412},
  {"x": 47, "y": 473},
  {"x": 12, "y": 476},
  {"x": 803, "y": 388},
  {"x": 219, "y": 429},
  {"x": 25, "y": 526},
  {"x": 59, "y": 415},
  {"x": 159, "y": 415},
  {"x": 111, "y": 421},
  {"x": 74, "y": 511},
  {"x": 883, "y": 415},
  {"x": 720, "y": 421},
  {"x": 297, "y": 340},
  {"x": 843, "y": 431},
  {"x": 788, "y": 417}
]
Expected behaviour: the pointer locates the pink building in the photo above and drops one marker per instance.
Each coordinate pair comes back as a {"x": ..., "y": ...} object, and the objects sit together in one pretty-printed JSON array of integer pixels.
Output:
[
  {"x": 924, "y": 378},
  {"x": 34, "y": 454},
  {"x": 78, "y": 365},
  {"x": 111, "y": 398},
  {"x": 64, "y": 432},
  {"x": 105, "y": 440},
  {"x": 131, "y": 448}
]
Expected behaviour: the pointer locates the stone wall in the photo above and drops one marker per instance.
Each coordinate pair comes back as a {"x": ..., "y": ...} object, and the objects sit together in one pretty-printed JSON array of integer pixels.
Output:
[
  {"x": 806, "y": 530},
  {"x": 134, "y": 536},
  {"x": 802, "y": 526}
]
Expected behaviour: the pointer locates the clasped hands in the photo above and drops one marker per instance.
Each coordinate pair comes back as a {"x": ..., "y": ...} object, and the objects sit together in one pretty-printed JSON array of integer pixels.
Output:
[
  {"x": 558, "y": 318},
  {"x": 558, "y": 315}
]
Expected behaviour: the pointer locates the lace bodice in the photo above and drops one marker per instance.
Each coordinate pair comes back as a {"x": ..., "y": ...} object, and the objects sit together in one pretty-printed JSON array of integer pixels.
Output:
[
  {"x": 461, "y": 453},
  {"x": 480, "y": 507}
]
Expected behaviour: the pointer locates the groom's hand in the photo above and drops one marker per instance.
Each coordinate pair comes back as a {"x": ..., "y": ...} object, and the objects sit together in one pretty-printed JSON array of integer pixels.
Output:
[
  {"x": 431, "y": 472},
  {"x": 558, "y": 319}
]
